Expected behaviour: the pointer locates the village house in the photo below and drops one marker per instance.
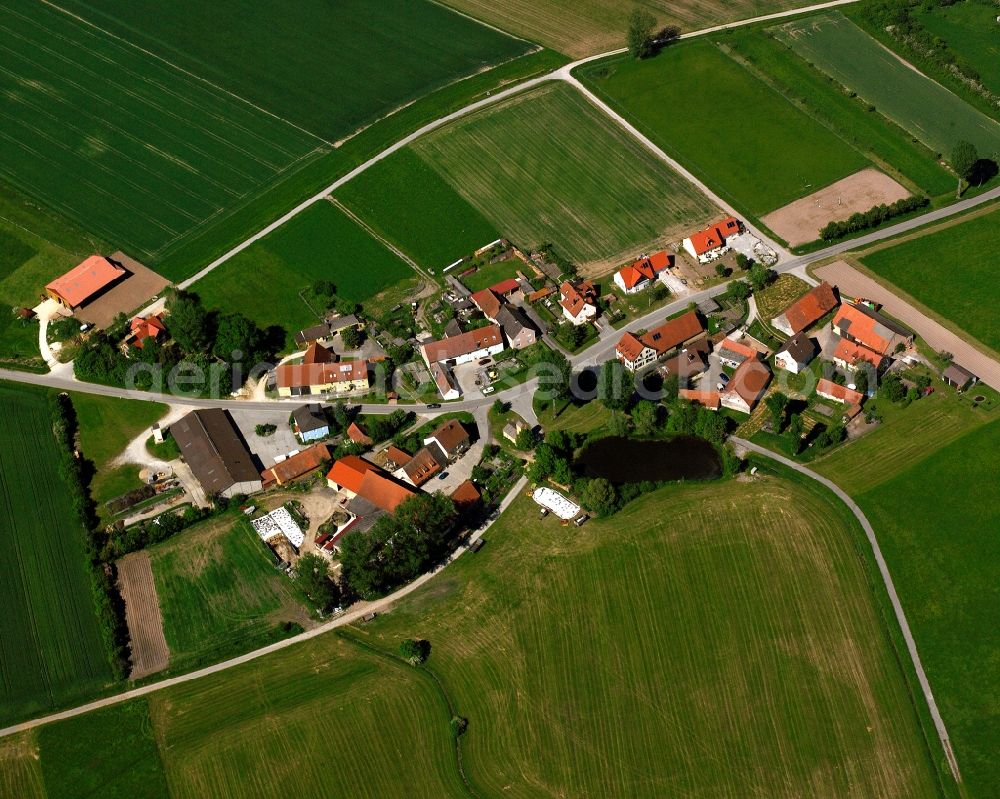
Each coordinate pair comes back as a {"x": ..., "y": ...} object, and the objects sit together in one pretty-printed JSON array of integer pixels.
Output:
[
  {"x": 338, "y": 324},
  {"x": 795, "y": 354},
  {"x": 861, "y": 325},
  {"x": 636, "y": 352},
  {"x": 838, "y": 393},
  {"x": 395, "y": 457},
  {"x": 708, "y": 399},
  {"x": 370, "y": 492},
  {"x": 712, "y": 242},
  {"x": 214, "y": 450},
  {"x": 807, "y": 310},
  {"x": 633, "y": 353},
  {"x": 469, "y": 346},
  {"x": 467, "y": 498},
  {"x": 451, "y": 438},
  {"x": 295, "y": 466},
  {"x": 734, "y": 353},
  {"x": 579, "y": 302},
  {"x": 445, "y": 381},
  {"x": 357, "y": 435},
  {"x": 425, "y": 463},
  {"x": 511, "y": 430},
  {"x": 517, "y": 327},
  {"x": 309, "y": 422},
  {"x": 689, "y": 364},
  {"x": 142, "y": 329},
  {"x": 488, "y": 303},
  {"x": 322, "y": 377},
  {"x": 747, "y": 385},
  {"x": 642, "y": 274},
  {"x": 849, "y": 355},
  {"x": 312, "y": 335}
]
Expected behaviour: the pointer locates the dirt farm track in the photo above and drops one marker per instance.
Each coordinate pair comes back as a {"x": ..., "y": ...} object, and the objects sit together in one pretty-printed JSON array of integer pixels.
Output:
[
  {"x": 801, "y": 221},
  {"x": 150, "y": 652}
]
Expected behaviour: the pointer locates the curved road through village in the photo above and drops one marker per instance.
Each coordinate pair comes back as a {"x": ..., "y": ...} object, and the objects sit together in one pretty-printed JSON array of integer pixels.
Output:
[{"x": 520, "y": 396}]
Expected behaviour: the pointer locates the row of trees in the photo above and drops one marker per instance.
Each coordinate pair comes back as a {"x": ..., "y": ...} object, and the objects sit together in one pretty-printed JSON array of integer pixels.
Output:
[
  {"x": 398, "y": 547},
  {"x": 871, "y": 218}
]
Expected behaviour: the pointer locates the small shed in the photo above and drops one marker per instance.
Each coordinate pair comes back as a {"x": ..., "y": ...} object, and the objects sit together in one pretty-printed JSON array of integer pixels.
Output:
[{"x": 959, "y": 377}]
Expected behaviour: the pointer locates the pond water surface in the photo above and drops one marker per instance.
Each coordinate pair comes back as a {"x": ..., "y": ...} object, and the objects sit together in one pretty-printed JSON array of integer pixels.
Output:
[{"x": 630, "y": 460}]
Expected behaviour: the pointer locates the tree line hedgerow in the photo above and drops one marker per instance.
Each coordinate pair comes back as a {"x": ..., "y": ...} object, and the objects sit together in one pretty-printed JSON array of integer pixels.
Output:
[{"x": 873, "y": 217}]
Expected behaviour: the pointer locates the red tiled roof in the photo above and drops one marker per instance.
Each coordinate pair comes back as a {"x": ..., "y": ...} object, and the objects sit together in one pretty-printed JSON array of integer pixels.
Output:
[
  {"x": 466, "y": 494},
  {"x": 357, "y": 435},
  {"x": 317, "y": 353},
  {"x": 644, "y": 269},
  {"x": 487, "y": 302},
  {"x": 673, "y": 333},
  {"x": 456, "y": 346},
  {"x": 714, "y": 236},
  {"x": 86, "y": 279},
  {"x": 749, "y": 380},
  {"x": 422, "y": 466},
  {"x": 382, "y": 491},
  {"x": 862, "y": 328},
  {"x": 710, "y": 399},
  {"x": 349, "y": 471},
  {"x": 737, "y": 348},
  {"x": 505, "y": 287},
  {"x": 850, "y": 353},
  {"x": 806, "y": 310},
  {"x": 150, "y": 327},
  {"x": 573, "y": 298},
  {"x": 397, "y": 456},
  {"x": 828, "y": 388},
  {"x": 298, "y": 375},
  {"x": 297, "y": 465},
  {"x": 629, "y": 347},
  {"x": 451, "y": 435}
]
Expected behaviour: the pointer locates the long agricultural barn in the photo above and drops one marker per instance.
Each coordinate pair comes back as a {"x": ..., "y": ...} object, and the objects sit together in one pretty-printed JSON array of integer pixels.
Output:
[{"x": 214, "y": 450}]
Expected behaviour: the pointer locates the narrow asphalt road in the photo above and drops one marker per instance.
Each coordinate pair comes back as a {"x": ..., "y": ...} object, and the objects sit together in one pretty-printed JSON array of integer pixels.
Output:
[{"x": 890, "y": 588}]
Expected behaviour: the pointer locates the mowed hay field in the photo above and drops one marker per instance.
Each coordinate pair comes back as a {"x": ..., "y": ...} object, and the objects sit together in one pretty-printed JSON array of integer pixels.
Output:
[
  {"x": 220, "y": 593},
  {"x": 744, "y": 138},
  {"x": 329, "y": 68},
  {"x": 404, "y": 200},
  {"x": 937, "y": 523},
  {"x": 957, "y": 281},
  {"x": 265, "y": 281},
  {"x": 709, "y": 640},
  {"x": 585, "y": 27},
  {"x": 134, "y": 150},
  {"x": 51, "y": 651},
  {"x": 547, "y": 166},
  {"x": 919, "y": 105},
  {"x": 970, "y": 30}
]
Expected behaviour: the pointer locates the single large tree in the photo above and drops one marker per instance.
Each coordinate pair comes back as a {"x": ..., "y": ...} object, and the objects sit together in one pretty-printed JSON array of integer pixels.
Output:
[
  {"x": 646, "y": 417},
  {"x": 314, "y": 580},
  {"x": 963, "y": 160},
  {"x": 239, "y": 334},
  {"x": 776, "y": 404},
  {"x": 640, "y": 34},
  {"x": 190, "y": 324},
  {"x": 615, "y": 386}
]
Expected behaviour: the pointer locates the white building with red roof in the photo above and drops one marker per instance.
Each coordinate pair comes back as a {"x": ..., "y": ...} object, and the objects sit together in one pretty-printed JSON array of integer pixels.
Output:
[
  {"x": 642, "y": 274},
  {"x": 579, "y": 302},
  {"x": 712, "y": 242}
]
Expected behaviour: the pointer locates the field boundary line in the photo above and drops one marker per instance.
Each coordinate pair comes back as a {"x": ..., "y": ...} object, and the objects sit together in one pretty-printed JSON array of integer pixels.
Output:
[
  {"x": 181, "y": 69},
  {"x": 357, "y": 220},
  {"x": 911, "y": 644},
  {"x": 348, "y": 617}
]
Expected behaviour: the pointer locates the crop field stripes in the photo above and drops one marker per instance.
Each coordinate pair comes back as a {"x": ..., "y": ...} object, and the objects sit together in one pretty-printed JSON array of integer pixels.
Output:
[{"x": 139, "y": 152}]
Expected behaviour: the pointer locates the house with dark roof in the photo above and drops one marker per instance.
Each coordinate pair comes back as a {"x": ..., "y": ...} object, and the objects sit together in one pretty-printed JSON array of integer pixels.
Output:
[
  {"x": 959, "y": 377},
  {"x": 795, "y": 354},
  {"x": 309, "y": 422},
  {"x": 311, "y": 335},
  {"x": 517, "y": 327},
  {"x": 689, "y": 363},
  {"x": 451, "y": 437},
  {"x": 807, "y": 310},
  {"x": 425, "y": 463},
  {"x": 214, "y": 450}
]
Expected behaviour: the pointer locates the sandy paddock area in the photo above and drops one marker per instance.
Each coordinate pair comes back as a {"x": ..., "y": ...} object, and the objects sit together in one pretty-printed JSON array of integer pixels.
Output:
[{"x": 801, "y": 221}]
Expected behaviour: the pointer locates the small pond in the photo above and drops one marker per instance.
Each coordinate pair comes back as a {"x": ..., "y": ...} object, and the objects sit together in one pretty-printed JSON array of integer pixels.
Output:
[{"x": 629, "y": 460}]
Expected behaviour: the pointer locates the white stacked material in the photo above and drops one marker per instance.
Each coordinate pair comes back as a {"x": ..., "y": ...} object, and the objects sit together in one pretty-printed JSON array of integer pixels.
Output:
[
  {"x": 279, "y": 522},
  {"x": 556, "y": 502}
]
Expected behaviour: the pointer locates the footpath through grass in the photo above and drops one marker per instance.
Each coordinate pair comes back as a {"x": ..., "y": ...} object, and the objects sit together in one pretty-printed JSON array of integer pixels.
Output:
[
  {"x": 51, "y": 652},
  {"x": 951, "y": 271}
]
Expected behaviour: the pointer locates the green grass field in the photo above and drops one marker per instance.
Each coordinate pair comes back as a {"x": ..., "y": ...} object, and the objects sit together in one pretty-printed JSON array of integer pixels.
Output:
[
  {"x": 731, "y": 135},
  {"x": 877, "y": 137},
  {"x": 51, "y": 651},
  {"x": 265, "y": 280},
  {"x": 970, "y": 30},
  {"x": 711, "y": 640},
  {"x": 134, "y": 150},
  {"x": 491, "y": 274},
  {"x": 409, "y": 204},
  {"x": 548, "y": 167},
  {"x": 219, "y": 592},
  {"x": 300, "y": 59},
  {"x": 958, "y": 282},
  {"x": 921, "y": 106},
  {"x": 937, "y": 522},
  {"x": 73, "y": 767}
]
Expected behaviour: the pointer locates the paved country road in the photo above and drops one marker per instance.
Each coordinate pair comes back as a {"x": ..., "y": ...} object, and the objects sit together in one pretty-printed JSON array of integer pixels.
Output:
[{"x": 897, "y": 607}]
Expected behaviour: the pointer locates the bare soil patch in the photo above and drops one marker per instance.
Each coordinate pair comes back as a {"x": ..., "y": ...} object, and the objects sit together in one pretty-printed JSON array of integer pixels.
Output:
[
  {"x": 801, "y": 221},
  {"x": 150, "y": 652}
]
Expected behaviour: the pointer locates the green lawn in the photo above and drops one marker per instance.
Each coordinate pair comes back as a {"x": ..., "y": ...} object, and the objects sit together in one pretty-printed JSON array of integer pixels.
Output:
[
  {"x": 739, "y": 135},
  {"x": 970, "y": 30},
  {"x": 546, "y": 166},
  {"x": 301, "y": 59},
  {"x": 491, "y": 274},
  {"x": 958, "y": 281},
  {"x": 264, "y": 281},
  {"x": 133, "y": 149},
  {"x": 919, "y": 105},
  {"x": 128, "y": 766},
  {"x": 881, "y": 140},
  {"x": 408, "y": 203},
  {"x": 937, "y": 523},
  {"x": 586, "y": 417},
  {"x": 220, "y": 593},
  {"x": 714, "y": 640},
  {"x": 51, "y": 652}
]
